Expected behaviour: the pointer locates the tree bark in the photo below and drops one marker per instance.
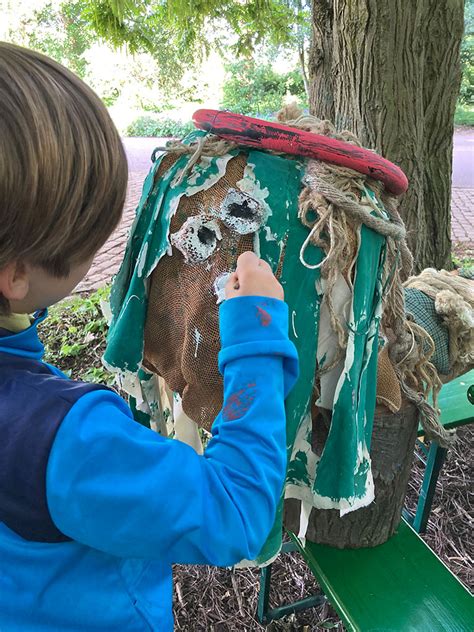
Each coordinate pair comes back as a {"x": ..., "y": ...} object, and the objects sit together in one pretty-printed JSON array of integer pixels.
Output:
[
  {"x": 393, "y": 69},
  {"x": 302, "y": 58},
  {"x": 321, "y": 93},
  {"x": 393, "y": 442},
  {"x": 441, "y": 82}
]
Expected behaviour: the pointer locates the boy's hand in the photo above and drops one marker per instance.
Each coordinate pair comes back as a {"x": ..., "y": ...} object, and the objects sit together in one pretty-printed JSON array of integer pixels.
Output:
[{"x": 253, "y": 277}]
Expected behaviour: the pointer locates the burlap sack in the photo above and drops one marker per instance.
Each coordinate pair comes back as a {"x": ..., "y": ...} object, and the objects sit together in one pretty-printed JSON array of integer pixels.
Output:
[
  {"x": 182, "y": 326},
  {"x": 388, "y": 387}
]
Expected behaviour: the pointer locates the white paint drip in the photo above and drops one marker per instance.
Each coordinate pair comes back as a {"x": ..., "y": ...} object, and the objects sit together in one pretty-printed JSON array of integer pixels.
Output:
[
  {"x": 197, "y": 338},
  {"x": 256, "y": 244},
  {"x": 253, "y": 563},
  {"x": 293, "y": 314},
  {"x": 251, "y": 186},
  {"x": 345, "y": 505},
  {"x": 106, "y": 310},
  {"x": 141, "y": 263},
  {"x": 221, "y": 164}
]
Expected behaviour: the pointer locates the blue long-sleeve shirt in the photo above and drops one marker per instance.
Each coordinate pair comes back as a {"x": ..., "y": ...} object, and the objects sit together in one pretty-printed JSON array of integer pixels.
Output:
[{"x": 95, "y": 508}]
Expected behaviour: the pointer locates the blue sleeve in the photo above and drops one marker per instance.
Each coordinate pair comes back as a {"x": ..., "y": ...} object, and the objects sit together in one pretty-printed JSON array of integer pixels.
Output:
[{"x": 117, "y": 486}]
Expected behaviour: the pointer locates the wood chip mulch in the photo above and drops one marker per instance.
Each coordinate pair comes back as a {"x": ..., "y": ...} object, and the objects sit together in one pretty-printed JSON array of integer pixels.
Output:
[{"x": 220, "y": 600}]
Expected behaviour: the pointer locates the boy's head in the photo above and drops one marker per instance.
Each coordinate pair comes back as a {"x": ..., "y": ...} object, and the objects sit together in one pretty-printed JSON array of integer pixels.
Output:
[{"x": 63, "y": 178}]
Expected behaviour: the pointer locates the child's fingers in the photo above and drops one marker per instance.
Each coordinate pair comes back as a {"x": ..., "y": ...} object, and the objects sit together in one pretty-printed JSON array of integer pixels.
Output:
[
  {"x": 263, "y": 265},
  {"x": 232, "y": 286},
  {"x": 247, "y": 260}
]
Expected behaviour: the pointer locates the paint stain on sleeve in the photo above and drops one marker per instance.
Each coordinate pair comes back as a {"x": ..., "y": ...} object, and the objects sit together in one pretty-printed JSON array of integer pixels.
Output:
[
  {"x": 238, "y": 403},
  {"x": 264, "y": 317}
]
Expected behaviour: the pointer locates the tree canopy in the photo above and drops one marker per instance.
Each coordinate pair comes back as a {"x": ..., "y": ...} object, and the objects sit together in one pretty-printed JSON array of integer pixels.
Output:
[{"x": 179, "y": 33}]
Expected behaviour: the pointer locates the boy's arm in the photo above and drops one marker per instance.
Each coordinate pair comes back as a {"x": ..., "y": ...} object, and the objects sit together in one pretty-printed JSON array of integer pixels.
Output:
[{"x": 117, "y": 486}]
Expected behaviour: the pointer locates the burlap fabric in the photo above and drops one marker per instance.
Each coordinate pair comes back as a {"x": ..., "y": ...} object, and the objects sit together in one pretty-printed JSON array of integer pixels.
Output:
[
  {"x": 389, "y": 393},
  {"x": 182, "y": 326}
]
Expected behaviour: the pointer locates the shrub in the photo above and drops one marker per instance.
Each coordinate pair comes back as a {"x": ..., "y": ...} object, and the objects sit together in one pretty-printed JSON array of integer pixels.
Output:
[
  {"x": 464, "y": 115},
  {"x": 158, "y": 126},
  {"x": 466, "y": 94},
  {"x": 257, "y": 89}
]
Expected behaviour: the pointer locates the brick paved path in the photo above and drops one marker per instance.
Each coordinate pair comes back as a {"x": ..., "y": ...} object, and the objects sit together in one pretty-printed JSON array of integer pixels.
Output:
[
  {"x": 462, "y": 222},
  {"x": 108, "y": 260},
  {"x": 109, "y": 257}
]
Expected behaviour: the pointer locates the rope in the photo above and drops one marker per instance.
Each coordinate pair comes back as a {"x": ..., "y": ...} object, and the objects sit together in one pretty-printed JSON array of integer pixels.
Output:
[
  {"x": 339, "y": 200},
  {"x": 338, "y": 197}
]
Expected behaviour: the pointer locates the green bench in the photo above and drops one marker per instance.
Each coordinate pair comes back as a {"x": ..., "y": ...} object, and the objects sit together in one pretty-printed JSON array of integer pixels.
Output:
[
  {"x": 456, "y": 402},
  {"x": 399, "y": 586}
]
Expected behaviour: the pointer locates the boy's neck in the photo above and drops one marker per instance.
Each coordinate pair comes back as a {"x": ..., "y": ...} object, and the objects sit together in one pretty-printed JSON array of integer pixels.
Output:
[{"x": 15, "y": 322}]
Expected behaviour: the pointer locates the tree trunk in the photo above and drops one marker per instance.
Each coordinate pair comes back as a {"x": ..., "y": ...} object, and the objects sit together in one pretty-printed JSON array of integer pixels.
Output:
[
  {"x": 302, "y": 58},
  {"x": 441, "y": 81},
  {"x": 393, "y": 70},
  {"x": 321, "y": 97},
  {"x": 393, "y": 442}
]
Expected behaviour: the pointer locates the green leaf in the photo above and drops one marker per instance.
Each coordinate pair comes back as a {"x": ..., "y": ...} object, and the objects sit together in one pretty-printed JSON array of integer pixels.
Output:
[{"x": 71, "y": 350}]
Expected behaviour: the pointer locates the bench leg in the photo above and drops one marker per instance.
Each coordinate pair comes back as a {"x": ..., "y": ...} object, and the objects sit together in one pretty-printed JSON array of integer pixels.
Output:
[
  {"x": 264, "y": 614},
  {"x": 434, "y": 463},
  {"x": 264, "y": 594}
]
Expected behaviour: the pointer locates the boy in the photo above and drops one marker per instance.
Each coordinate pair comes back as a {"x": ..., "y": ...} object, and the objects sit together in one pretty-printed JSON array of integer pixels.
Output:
[{"x": 94, "y": 508}]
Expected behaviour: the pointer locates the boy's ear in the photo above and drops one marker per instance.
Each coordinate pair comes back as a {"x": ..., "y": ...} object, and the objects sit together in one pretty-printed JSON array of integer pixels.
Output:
[{"x": 14, "y": 281}]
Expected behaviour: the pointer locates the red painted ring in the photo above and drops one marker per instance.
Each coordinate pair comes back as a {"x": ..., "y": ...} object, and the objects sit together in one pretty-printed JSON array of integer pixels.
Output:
[{"x": 266, "y": 135}]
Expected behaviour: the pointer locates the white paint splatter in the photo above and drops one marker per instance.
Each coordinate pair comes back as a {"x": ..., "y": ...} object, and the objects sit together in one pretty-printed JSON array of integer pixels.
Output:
[
  {"x": 197, "y": 338},
  {"x": 249, "y": 184},
  {"x": 219, "y": 286},
  {"x": 269, "y": 236},
  {"x": 197, "y": 238},
  {"x": 141, "y": 263},
  {"x": 242, "y": 213},
  {"x": 293, "y": 314},
  {"x": 256, "y": 244}
]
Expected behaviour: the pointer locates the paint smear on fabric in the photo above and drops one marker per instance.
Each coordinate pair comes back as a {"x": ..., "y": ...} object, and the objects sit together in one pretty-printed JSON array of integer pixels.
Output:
[
  {"x": 239, "y": 403},
  {"x": 264, "y": 317}
]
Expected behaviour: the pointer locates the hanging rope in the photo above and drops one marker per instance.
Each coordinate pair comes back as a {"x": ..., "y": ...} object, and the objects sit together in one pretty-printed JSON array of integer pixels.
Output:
[{"x": 338, "y": 199}]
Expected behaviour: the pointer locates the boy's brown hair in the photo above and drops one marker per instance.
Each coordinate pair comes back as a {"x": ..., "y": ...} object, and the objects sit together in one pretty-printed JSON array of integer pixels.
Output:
[{"x": 63, "y": 170}]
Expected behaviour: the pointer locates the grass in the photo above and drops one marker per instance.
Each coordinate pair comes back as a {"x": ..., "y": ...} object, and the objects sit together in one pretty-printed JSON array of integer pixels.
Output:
[
  {"x": 464, "y": 115},
  {"x": 462, "y": 255},
  {"x": 74, "y": 337}
]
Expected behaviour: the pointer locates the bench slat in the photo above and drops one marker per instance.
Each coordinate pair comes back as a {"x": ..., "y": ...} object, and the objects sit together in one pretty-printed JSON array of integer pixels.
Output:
[
  {"x": 456, "y": 409},
  {"x": 399, "y": 586}
]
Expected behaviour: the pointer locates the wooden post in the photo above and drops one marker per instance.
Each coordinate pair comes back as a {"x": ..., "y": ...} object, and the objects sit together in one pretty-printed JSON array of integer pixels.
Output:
[{"x": 393, "y": 442}]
